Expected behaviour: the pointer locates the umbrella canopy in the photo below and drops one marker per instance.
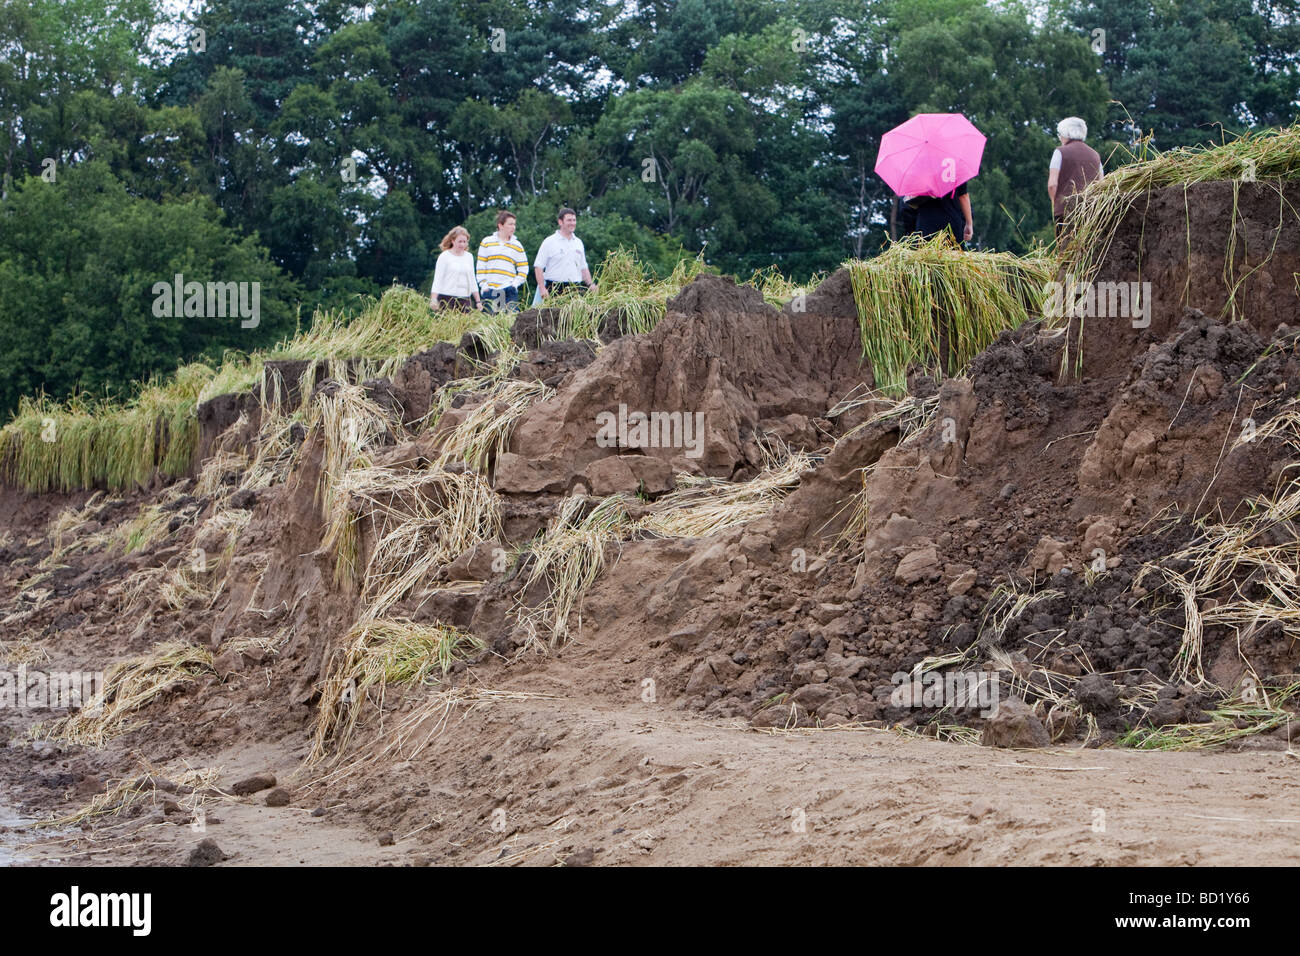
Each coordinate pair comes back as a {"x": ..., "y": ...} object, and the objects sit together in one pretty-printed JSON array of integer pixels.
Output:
[{"x": 930, "y": 155}]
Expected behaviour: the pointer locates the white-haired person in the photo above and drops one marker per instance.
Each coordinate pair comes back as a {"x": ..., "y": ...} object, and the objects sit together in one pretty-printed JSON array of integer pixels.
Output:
[{"x": 1074, "y": 165}]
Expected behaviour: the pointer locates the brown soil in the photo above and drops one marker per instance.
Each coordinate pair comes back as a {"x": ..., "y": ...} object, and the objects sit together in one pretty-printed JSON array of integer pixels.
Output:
[
  {"x": 682, "y": 725},
  {"x": 1229, "y": 249},
  {"x": 543, "y": 783}
]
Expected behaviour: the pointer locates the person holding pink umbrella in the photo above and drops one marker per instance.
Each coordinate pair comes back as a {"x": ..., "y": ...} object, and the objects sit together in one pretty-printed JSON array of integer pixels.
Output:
[
  {"x": 930, "y": 158},
  {"x": 937, "y": 213}
]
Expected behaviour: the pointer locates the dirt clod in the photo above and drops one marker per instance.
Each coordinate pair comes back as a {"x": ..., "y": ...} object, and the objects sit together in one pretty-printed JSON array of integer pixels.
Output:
[
  {"x": 207, "y": 853},
  {"x": 253, "y": 784}
]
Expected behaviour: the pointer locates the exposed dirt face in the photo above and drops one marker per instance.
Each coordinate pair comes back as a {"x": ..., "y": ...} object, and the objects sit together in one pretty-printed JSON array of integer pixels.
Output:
[
  {"x": 1019, "y": 471},
  {"x": 1060, "y": 487},
  {"x": 721, "y": 356},
  {"x": 1195, "y": 245},
  {"x": 216, "y": 417}
]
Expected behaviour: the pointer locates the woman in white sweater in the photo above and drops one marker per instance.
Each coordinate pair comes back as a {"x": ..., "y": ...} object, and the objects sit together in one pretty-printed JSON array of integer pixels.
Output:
[{"x": 455, "y": 285}]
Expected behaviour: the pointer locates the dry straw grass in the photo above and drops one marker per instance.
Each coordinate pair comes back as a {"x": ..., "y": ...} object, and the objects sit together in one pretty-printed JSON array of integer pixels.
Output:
[
  {"x": 141, "y": 532},
  {"x": 187, "y": 786},
  {"x": 220, "y": 474},
  {"x": 378, "y": 652},
  {"x": 574, "y": 549},
  {"x": 568, "y": 558},
  {"x": 89, "y": 443},
  {"x": 480, "y": 438},
  {"x": 63, "y": 531},
  {"x": 416, "y": 521},
  {"x": 400, "y": 323},
  {"x": 275, "y": 452},
  {"x": 128, "y": 686},
  {"x": 1270, "y": 157},
  {"x": 703, "y": 506},
  {"x": 777, "y": 290},
  {"x": 1008, "y": 603},
  {"x": 1242, "y": 575},
  {"x": 23, "y": 650},
  {"x": 68, "y": 534},
  {"x": 347, "y": 423},
  {"x": 419, "y": 520},
  {"x": 910, "y": 414},
  {"x": 204, "y": 577}
]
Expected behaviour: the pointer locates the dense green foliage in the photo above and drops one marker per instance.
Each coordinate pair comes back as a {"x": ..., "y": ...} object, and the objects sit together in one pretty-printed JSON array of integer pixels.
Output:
[
  {"x": 323, "y": 148},
  {"x": 81, "y": 257}
]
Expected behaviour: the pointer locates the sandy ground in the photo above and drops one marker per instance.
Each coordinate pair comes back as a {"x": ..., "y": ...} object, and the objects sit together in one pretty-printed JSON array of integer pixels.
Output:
[{"x": 542, "y": 782}]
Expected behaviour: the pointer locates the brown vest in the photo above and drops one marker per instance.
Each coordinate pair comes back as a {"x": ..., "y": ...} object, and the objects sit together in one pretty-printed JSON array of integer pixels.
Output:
[{"x": 1080, "y": 165}]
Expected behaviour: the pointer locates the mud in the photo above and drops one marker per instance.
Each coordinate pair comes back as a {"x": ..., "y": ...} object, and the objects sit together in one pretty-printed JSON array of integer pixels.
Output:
[
  {"x": 1228, "y": 249},
  {"x": 1023, "y": 480}
]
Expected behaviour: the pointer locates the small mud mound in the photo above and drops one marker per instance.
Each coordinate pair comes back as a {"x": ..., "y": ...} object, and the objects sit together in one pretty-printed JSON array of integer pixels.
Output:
[
  {"x": 534, "y": 328},
  {"x": 709, "y": 295},
  {"x": 722, "y": 362}
]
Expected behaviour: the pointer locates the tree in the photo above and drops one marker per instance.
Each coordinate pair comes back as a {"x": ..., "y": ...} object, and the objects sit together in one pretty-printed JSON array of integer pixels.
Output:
[
  {"x": 1181, "y": 69},
  {"x": 46, "y": 61},
  {"x": 268, "y": 41},
  {"x": 78, "y": 262}
]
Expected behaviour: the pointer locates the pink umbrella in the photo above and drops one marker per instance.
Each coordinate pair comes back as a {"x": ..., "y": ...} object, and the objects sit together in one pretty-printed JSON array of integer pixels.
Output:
[{"x": 930, "y": 155}]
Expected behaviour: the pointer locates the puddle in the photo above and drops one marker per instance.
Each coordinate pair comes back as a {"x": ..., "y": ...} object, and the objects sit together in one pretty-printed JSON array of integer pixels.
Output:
[
  {"x": 10, "y": 841},
  {"x": 18, "y": 837}
]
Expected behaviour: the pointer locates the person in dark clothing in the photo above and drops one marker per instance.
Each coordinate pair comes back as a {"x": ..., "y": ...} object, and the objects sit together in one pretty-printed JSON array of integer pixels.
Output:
[
  {"x": 937, "y": 213},
  {"x": 906, "y": 207}
]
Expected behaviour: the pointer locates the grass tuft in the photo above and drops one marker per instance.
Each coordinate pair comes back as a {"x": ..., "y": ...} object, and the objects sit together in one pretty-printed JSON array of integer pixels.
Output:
[
  {"x": 626, "y": 290},
  {"x": 568, "y": 557},
  {"x": 933, "y": 305},
  {"x": 378, "y": 652},
  {"x": 128, "y": 686}
]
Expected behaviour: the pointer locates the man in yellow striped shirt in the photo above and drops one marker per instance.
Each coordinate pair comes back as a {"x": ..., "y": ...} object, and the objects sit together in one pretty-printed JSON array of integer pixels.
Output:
[{"x": 502, "y": 265}]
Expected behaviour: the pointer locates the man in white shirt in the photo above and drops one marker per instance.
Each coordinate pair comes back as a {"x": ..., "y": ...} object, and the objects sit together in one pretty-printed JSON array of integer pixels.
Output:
[
  {"x": 561, "y": 259},
  {"x": 502, "y": 265}
]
